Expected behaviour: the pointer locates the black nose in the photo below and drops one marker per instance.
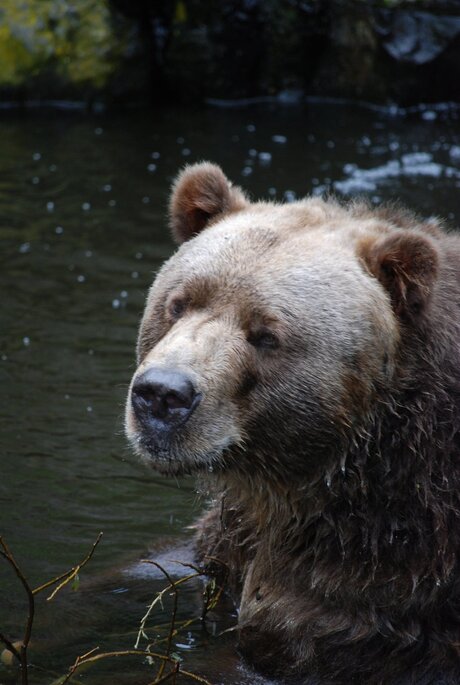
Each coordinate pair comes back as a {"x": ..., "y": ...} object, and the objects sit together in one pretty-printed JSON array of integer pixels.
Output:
[{"x": 164, "y": 396}]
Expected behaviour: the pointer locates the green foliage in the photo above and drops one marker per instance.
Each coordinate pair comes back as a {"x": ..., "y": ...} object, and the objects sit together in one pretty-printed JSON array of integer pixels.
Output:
[{"x": 72, "y": 38}]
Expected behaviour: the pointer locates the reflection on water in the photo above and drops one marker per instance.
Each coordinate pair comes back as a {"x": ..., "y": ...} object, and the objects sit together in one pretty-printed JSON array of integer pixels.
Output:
[{"x": 82, "y": 229}]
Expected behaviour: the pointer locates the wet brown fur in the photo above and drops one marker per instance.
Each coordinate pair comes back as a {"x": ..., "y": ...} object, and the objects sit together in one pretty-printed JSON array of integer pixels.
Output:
[{"x": 342, "y": 536}]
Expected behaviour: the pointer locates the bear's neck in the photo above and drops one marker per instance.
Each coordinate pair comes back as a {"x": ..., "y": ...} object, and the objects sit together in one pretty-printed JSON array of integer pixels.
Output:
[{"x": 375, "y": 513}]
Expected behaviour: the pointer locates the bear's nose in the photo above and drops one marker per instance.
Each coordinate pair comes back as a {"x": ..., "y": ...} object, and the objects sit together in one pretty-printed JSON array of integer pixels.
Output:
[{"x": 166, "y": 395}]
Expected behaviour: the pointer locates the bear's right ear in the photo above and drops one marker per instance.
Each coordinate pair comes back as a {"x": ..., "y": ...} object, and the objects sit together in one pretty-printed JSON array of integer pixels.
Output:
[{"x": 200, "y": 194}]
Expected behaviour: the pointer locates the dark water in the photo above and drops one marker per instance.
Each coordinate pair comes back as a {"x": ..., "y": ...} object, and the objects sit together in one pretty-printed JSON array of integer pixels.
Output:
[{"x": 82, "y": 229}]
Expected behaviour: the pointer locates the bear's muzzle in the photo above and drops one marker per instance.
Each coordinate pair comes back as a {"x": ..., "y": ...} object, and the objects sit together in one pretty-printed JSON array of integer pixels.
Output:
[{"x": 162, "y": 401}]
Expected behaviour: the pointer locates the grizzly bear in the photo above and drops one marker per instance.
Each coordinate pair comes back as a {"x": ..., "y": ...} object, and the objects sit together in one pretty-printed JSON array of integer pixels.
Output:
[{"x": 305, "y": 358}]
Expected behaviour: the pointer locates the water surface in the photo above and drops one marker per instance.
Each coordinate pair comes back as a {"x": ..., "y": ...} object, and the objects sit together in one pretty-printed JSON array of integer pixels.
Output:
[{"x": 82, "y": 230}]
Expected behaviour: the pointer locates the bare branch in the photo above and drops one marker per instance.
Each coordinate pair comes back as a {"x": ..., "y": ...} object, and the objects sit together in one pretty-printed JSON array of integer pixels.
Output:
[
  {"x": 6, "y": 554},
  {"x": 173, "y": 618},
  {"x": 90, "y": 657},
  {"x": 10, "y": 646},
  {"x": 158, "y": 599},
  {"x": 68, "y": 575},
  {"x": 194, "y": 676}
]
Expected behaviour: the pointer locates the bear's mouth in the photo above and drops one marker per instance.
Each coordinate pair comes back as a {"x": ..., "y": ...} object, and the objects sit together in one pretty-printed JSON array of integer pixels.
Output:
[{"x": 177, "y": 455}]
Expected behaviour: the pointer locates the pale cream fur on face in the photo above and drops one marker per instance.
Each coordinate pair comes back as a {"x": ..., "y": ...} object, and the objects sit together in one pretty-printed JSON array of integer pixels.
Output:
[{"x": 299, "y": 264}]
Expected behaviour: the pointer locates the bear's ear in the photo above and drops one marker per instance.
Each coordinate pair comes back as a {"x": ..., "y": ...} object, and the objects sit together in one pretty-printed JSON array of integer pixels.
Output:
[
  {"x": 406, "y": 263},
  {"x": 201, "y": 193}
]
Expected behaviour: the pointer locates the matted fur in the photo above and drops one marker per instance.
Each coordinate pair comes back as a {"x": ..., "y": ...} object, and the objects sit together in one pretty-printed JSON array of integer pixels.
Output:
[{"x": 336, "y": 454}]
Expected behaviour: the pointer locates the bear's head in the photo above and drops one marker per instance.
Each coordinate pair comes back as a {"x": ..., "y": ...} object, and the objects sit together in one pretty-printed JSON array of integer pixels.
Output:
[{"x": 273, "y": 330}]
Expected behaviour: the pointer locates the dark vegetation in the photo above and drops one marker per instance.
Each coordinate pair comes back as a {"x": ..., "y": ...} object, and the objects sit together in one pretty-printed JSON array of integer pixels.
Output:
[{"x": 157, "y": 51}]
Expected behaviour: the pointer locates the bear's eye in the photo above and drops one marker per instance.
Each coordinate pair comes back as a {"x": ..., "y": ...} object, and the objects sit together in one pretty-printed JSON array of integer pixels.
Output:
[
  {"x": 263, "y": 339},
  {"x": 177, "y": 308}
]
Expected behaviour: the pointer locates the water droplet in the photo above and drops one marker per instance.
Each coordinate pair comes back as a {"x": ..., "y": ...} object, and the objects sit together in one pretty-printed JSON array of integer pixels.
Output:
[
  {"x": 330, "y": 144},
  {"x": 98, "y": 131},
  {"x": 279, "y": 139},
  {"x": 86, "y": 206},
  {"x": 146, "y": 200},
  {"x": 265, "y": 158},
  {"x": 53, "y": 167},
  {"x": 89, "y": 409},
  {"x": 67, "y": 397},
  {"x": 116, "y": 304},
  {"x": 107, "y": 188},
  {"x": 251, "y": 128},
  {"x": 26, "y": 340},
  {"x": 152, "y": 167},
  {"x": 247, "y": 171},
  {"x": 124, "y": 293},
  {"x": 186, "y": 152},
  {"x": 365, "y": 140},
  {"x": 139, "y": 255},
  {"x": 328, "y": 481},
  {"x": 311, "y": 138},
  {"x": 272, "y": 192},
  {"x": 394, "y": 145},
  {"x": 454, "y": 153},
  {"x": 59, "y": 230},
  {"x": 210, "y": 468},
  {"x": 252, "y": 152},
  {"x": 25, "y": 247},
  {"x": 112, "y": 203},
  {"x": 290, "y": 196},
  {"x": 88, "y": 253},
  {"x": 4, "y": 358},
  {"x": 134, "y": 274},
  {"x": 50, "y": 206},
  {"x": 90, "y": 352},
  {"x": 180, "y": 140},
  {"x": 81, "y": 278},
  {"x": 36, "y": 156},
  {"x": 35, "y": 180},
  {"x": 155, "y": 155},
  {"x": 429, "y": 115}
]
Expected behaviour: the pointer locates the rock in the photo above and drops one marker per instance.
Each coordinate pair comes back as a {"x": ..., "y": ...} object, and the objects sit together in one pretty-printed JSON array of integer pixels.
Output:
[{"x": 416, "y": 37}]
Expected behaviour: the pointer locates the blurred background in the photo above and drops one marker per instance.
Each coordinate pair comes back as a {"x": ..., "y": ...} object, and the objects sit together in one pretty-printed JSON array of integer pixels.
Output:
[
  {"x": 193, "y": 51},
  {"x": 101, "y": 103}
]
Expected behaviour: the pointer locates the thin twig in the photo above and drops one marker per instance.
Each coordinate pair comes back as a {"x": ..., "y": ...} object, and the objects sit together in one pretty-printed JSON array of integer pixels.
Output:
[
  {"x": 10, "y": 646},
  {"x": 158, "y": 599},
  {"x": 78, "y": 660},
  {"x": 90, "y": 657},
  {"x": 187, "y": 564},
  {"x": 173, "y": 618},
  {"x": 164, "y": 679},
  {"x": 30, "y": 616},
  {"x": 194, "y": 676},
  {"x": 69, "y": 575}
]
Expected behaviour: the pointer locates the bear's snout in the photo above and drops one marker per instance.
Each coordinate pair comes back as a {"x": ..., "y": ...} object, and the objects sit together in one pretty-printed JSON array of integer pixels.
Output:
[{"x": 163, "y": 400}]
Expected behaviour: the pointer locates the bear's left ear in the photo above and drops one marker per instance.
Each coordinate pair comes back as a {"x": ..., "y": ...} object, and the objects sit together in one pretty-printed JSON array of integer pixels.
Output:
[
  {"x": 406, "y": 263},
  {"x": 200, "y": 194}
]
